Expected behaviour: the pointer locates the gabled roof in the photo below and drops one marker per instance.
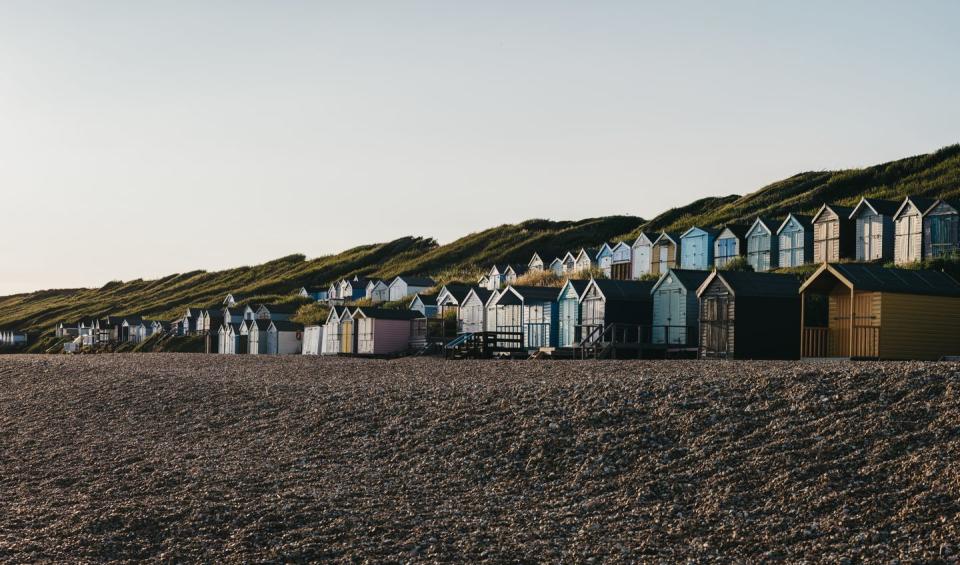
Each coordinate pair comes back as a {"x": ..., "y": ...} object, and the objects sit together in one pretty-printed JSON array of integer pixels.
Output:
[
  {"x": 751, "y": 284},
  {"x": 671, "y": 236},
  {"x": 494, "y": 270},
  {"x": 708, "y": 231},
  {"x": 288, "y": 308},
  {"x": 919, "y": 202},
  {"x": 578, "y": 285},
  {"x": 481, "y": 293},
  {"x": 632, "y": 291},
  {"x": 536, "y": 257},
  {"x": 643, "y": 236},
  {"x": 425, "y": 299},
  {"x": 518, "y": 270},
  {"x": 690, "y": 279},
  {"x": 262, "y": 325},
  {"x": 879, "y": 207},
  {"x": 768, "y": 223},
  {"x": 805, "y": 221},
  {"x": 590, "y": 252},
  {"x": 570, "y": 255},
  {"x": 387, "y": 314},
  {"x": 739, "y": 231},
  {"x": 605, "y": 248},
  {"x": 286, "y": 326},
  {"x": 619, "y": 245},
  {"x": 556, "y": 260},
  {"x": 457, "y": 291},
  {"x": 415, "y": 281},
  {"x": 842, "y": 212},
  {"x": 869, "y": 277},
  {"x": 955, "y": 204},
  {"x": 335, "y": 313}
]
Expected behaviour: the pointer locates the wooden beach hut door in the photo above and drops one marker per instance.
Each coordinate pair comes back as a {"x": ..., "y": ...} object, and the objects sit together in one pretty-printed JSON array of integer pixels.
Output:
[
  {"x": 716, "y": 326},
  {"x": 569, "y": 310},
  {"x": 858, "y": 314},
  {"x": 346, "y": 336}
]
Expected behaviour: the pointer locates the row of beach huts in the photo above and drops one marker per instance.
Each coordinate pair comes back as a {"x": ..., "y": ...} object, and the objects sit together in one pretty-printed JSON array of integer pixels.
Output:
[
  {"x": 664, "y": 294},
  {"x": 873, "y": 231}
]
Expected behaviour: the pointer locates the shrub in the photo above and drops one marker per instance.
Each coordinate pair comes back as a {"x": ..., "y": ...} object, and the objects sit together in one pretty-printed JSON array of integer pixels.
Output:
[
  {"x": 541, "y": 278},
  {"x": 739, "y": 264}
]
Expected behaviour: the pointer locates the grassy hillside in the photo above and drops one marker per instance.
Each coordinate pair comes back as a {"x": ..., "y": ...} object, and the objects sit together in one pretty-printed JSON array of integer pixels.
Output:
[
  {"x": 935, "y": 175},
  {"x": 277, "y": 280}
]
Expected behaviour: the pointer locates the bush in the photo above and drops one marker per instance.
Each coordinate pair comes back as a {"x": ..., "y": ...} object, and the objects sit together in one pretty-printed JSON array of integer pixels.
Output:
[
  {"x": 738, "y": 264},
  {"x": 541, "y": 278}
]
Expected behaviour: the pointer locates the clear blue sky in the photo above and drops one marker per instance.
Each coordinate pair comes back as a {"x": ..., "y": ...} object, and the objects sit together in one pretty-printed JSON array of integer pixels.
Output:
[{"x": 139, "y": 139}]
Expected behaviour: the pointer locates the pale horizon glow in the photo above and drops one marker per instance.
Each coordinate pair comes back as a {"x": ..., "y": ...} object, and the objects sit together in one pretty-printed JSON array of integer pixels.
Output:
[{"x": 142, "y": 139}]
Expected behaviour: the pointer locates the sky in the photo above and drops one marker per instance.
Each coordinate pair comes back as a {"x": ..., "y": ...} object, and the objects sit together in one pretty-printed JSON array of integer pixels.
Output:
[{"x": 140, "y": 139}]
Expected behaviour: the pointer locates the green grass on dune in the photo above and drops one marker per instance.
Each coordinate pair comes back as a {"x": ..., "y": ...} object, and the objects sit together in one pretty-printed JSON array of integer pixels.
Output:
[{"x": 933, "y": 175}]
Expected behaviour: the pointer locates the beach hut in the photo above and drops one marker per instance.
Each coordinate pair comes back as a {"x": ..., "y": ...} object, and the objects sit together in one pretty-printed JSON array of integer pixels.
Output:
[
  {"x": 621, "y": 262},
  {"x": 333, "y": 291},
  {"x": 128, "y": 327},
  {"x": 484, "y": 281},
  {"x": 494, "y": 278},
  {"x": 696, "y": 248},
  {"x": 569, "y": 264},
  {"x": 229, "y": 338},
  {"x": 762, "y": 245},
  {"x": 833, "y": 234},
  {"x": 747, "y": 315},
  {"x": 257, "y": 337},
  {"x": 642, "y": 255},
  {"x": 908, "y": 236},
  {"x": 353, "y": 289},
  {"x": 284, "y": 338},
  {"x": 604, "y": 260},
  {"x": 626, "y": 304},
  {"x": 568, "y": 309},
  {"x": 405, "y": 285},
  {"x": 377, "y": 291},
  {"x": 234, "y": 315},
  {"x": 424, "y": 304},
  {"x": 530, "y": 311},
  {"x": 67, "y": 329},
  {"x": 512, "y": 273},
  {"x": 795, "y": 240},
  {"x": 731, "y": 243},
  {"x": 276, "y": 312},
  {"x": 676, "y": 308},
  {"x": 230, "y": 300},
  {"x": 348, "y": 333},
  {"x": 190, "y": 318},
  {"x": 864, "y": 310},
  {"x": 472, "y": 314},
  {"x": 314, "y": 293},
  {"x": 586, "y": 259},
  {"x": 874, "y": 229},
  {"x": 535, "y": 265},
  {"x": 160, "y": 327},
  {"x": 312, "y": 340},
  {"x": 941, "y": 230},
  {"x": 556, "y": 266},
  {"x": 243, "y": 342},
  {"x": 450, "y": 297},
  {"x": 665, "y": 253},
  {"x": 384, "y": 332},
  {"x": 331, "y": 331}
]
